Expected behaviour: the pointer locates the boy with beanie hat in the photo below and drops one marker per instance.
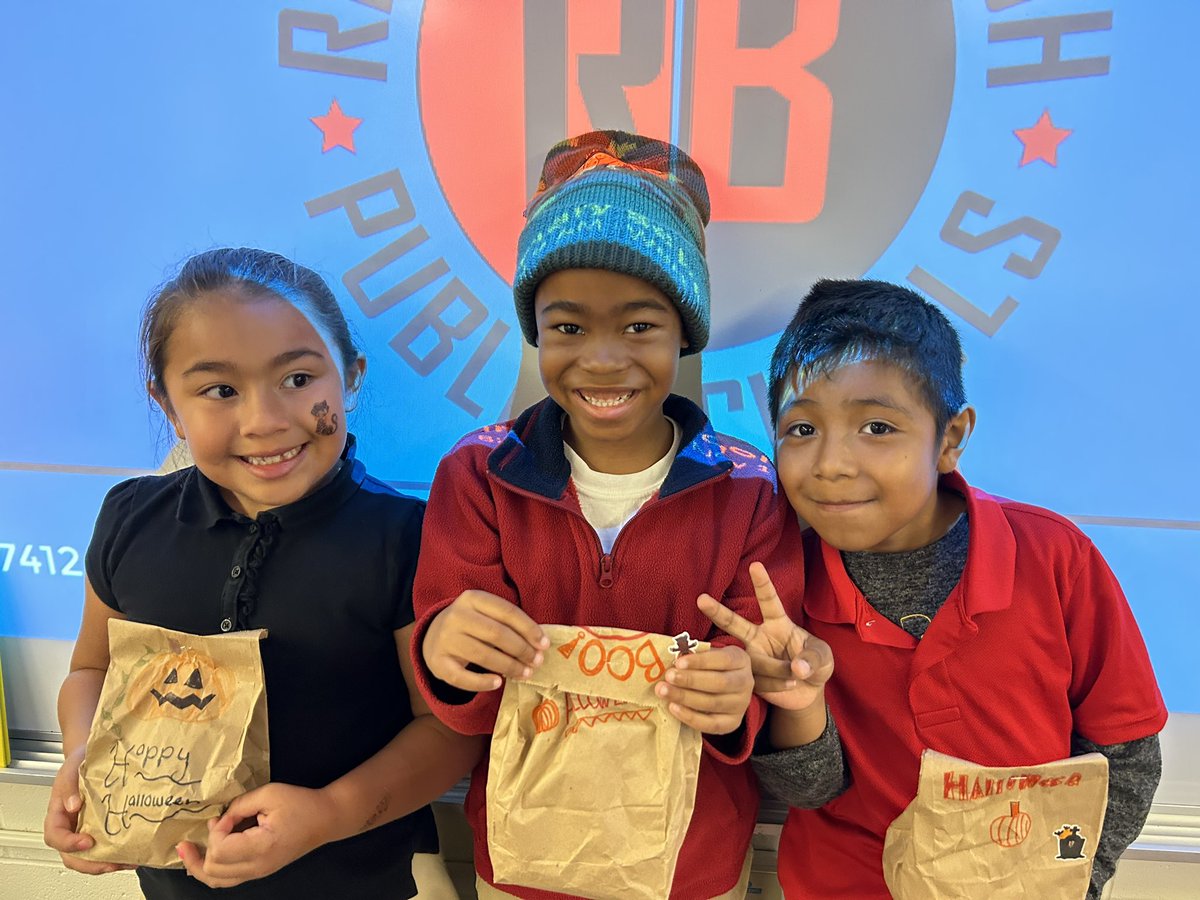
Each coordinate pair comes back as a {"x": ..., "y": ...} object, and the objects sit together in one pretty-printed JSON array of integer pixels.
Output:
[{"x": 568, "y": 513}]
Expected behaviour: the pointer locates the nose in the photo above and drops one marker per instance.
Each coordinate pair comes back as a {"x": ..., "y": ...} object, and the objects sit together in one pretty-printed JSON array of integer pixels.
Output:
[
  {"x": 263, "y": 412},
  {"x": 603, "y": 354},
  {"x": 834, "y": 458}
]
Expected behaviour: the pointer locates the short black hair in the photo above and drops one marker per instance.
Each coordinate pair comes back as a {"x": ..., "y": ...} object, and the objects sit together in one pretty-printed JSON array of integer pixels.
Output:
[{"x": 842, "y": 322}]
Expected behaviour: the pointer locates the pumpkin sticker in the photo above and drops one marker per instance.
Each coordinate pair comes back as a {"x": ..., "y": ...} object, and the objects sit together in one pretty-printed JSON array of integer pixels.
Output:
[
  {"x": 181, "y": 683},
  {"x": 1011, "y": 830}
]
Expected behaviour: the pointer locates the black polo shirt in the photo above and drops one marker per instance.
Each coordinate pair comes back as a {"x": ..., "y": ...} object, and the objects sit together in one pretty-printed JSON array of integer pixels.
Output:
[{"x": 330, "y": 578}]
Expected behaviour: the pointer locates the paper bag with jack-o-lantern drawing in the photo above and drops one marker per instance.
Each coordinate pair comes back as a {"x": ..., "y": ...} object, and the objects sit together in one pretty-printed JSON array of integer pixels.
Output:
[
  {"x": 591, "y": 781},
  {"x": 992, "y": 831},
  {"x": 179, "y": 732}
]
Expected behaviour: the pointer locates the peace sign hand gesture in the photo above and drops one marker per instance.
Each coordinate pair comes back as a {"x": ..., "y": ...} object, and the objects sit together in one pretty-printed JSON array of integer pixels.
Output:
[{"x": 790, "y": 665}]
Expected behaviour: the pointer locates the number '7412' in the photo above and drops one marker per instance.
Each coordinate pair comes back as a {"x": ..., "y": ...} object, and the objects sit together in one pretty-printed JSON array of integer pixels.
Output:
[{"x": 39, "y": 558}]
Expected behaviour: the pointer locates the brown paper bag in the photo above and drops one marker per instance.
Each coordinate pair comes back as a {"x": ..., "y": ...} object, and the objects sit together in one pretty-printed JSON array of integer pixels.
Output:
[
  {"x": 592, "y": 782},
  {"x": 982, "y": 831},
  {"x": 180, "y": 731}
]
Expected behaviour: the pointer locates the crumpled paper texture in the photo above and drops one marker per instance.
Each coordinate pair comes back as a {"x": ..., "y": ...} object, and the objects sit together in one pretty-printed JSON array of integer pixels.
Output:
[
  {"x": 179, "y": 732},
  {"x": 591, "y": 781},
  {"x": 997, "y": 832}
]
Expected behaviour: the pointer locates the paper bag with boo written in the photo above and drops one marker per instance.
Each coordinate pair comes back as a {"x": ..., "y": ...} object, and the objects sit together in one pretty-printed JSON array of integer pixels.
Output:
[
  {"x": 179, "y": 732},
  {"x": 591, "y": 781},
  {"x": 984, "y": 831}
]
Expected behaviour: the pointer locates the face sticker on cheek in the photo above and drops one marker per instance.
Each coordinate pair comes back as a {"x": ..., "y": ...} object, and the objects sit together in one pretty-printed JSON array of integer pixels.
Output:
[{"x": 325, "y": 425}]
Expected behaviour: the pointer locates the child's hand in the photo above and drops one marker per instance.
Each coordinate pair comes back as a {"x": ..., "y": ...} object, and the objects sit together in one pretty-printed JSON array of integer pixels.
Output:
[
  {"x": 709, "y": 691},
  {"x": 261, "y": 832},
  {"x": 790, "y": 665},
  {"x": 62, "y": 818},
  {"x": 485, "y": 630}
]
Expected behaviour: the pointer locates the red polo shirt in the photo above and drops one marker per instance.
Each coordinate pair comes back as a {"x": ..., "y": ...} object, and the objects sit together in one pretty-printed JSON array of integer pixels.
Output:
[{"x": 1035, "y": 642}]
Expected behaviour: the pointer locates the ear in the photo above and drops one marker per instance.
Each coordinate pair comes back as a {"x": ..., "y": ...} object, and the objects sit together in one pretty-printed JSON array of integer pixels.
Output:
[
  {"x": 160, "y": 397},
  {"x": 354, "y": 380},
  {"x": 954, "y": 440}
]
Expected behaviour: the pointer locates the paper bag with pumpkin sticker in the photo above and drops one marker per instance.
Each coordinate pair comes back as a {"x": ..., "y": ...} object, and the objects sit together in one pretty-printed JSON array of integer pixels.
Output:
[
  {"x": 984, "y": 831},
  {"x": 591, "y": 781},
  {"x": 180, "y": 731}
]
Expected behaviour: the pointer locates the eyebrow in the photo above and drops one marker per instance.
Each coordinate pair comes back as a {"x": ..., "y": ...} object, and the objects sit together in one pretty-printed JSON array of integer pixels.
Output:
[
  {"x": 885, "y": 402},
  {"x": 571, "y": 306},
  {"x": 207, "y": 366}
]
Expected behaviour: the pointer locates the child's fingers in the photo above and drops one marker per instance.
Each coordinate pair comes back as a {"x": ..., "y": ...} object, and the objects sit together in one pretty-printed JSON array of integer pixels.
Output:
[
  {"x": 706, "y": 723},
  {"x": 475, "y": 631},
  {"x": 726, "y": 619},
  {"x": 455, "y": 670},
  {"x": 482, "y": 630},
  {"x": 497, "y": 660},
  {"x": 718, "y": 680},
  {"x": 814, "y": 663},
  {"x": 774, "y": 685},
  {"x": 58, "y": 829},
  {"x": 724, "y": 658},
  {"x": 764, "y": 590},
  {"x": 193, "y": 862},
  {"x": 512, "y": 617},
  {"x": 773, "y": 674},
  {"x": 703, "y": 701},
  {"x": 219, "y": 829},
  {"x": 712, "y": 681},
  {"x": 456, "y": 674},
  {"x": 770, "y": 667}
]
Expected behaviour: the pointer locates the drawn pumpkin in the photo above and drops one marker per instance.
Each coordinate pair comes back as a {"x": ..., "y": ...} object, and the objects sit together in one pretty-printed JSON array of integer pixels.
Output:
[
  {"x": 180, "y": 684},
  {"x": 545, "y": 716},
  {"x": 1010, "y": 830}
]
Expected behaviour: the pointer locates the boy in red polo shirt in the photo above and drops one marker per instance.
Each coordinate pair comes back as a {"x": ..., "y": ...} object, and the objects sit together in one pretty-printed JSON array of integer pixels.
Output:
[{"x": 979, "y": 627}]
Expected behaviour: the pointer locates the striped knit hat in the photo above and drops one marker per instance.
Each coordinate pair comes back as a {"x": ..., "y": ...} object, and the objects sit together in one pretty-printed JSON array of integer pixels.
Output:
[{"x": 622, "y": 202}]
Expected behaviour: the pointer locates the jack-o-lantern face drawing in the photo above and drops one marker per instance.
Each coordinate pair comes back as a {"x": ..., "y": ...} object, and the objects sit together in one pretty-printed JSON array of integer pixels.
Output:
[{"x": 180, "y": 684}]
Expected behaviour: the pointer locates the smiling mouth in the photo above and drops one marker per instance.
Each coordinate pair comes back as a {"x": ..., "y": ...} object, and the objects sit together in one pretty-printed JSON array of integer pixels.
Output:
[
  {"x": 272, "y": 460},
  {"x": 605, "y": 401}
]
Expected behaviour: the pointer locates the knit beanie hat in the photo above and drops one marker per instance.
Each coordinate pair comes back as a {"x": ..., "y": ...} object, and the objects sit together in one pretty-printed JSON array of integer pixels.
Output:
[{"x": 622, "y": 202}]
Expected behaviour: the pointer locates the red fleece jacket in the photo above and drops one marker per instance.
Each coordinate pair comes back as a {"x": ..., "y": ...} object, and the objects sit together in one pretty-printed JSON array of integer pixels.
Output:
[{"x": 503, "y": 517}]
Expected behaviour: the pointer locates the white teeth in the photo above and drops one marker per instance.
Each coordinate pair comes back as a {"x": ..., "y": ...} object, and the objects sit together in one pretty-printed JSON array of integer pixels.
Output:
[
  {"x": 614, "y": 401},
  {"x": 271, "y": 460}
]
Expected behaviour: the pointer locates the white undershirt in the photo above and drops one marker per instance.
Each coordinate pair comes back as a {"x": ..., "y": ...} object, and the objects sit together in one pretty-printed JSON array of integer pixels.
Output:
[{"x": 609, "y": 501}]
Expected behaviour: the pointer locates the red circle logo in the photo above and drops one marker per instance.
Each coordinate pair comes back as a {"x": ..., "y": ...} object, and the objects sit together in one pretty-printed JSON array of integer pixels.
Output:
[{"x": 813, "y": 164}]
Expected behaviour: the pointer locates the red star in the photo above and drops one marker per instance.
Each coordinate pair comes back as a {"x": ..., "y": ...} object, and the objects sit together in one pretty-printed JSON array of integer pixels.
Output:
[
  {"x": 1041, "y": 141},
  {"x": 337, "y": 127}
]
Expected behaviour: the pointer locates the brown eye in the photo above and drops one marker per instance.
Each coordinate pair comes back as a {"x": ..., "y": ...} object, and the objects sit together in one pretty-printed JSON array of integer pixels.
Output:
[
  {"x": 172, "y": 677},
  {"x": 194, "y": 681}
]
